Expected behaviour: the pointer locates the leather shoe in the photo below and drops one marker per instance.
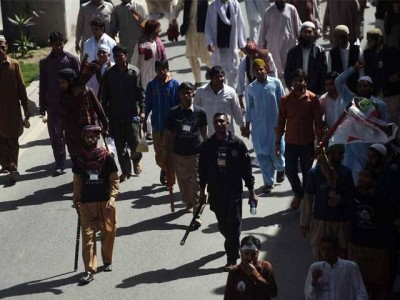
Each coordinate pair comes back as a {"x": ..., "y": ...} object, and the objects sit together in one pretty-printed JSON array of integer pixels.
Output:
[
  {"x": 123, "y": 177},
  {"x": 280, "y": 177},
  {"x": 107, "y": 267},
  {"x": 267, "y": 189}
]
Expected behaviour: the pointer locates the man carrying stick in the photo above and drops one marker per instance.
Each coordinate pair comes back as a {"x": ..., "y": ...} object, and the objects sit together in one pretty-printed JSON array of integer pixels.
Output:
[
  {"x": 96, "y": 186},
  {"x": 185, "y": 129}
]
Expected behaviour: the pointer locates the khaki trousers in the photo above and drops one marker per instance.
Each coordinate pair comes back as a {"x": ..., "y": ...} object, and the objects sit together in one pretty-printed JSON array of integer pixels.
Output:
[
  {"x": 157, "y": 142},
  {"x": 319, "y": 228},
  {"x": 96, "y": 217},
  {"x": 374, "y": 264},
  {"x": 9, "y": 149},
  {"x": 187, "y": 176}
]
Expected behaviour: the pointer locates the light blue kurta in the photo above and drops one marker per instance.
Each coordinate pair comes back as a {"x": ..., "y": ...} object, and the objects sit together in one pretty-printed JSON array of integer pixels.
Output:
[
  {"x": 262, "y": 109},
  {"x": 262, "y": 102}
]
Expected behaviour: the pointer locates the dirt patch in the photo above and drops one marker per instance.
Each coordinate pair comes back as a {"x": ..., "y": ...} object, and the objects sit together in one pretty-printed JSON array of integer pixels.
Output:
[{"x": 34, "y": 56}]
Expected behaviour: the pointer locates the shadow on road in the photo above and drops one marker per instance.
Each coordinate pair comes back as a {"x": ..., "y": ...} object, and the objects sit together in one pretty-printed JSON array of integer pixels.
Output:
[
  {"x": 43, "y": 142},
  {"x": 219, "y": 291},
  {"x": 176, "y": 56},
  {"x": 182, "y": 71},
  {"x": 189, "y": 270},
  {"x": 160, "y": 223},
  {"x": 39, "y": 197},
  {"x": 175, "y": 44},
  {"x": 40, "y": 286},
  {"x": 148, "y": 196}
]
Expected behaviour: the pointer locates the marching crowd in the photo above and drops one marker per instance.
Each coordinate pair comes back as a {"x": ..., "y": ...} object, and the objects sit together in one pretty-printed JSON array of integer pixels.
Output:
[{"x": 285, "y": 92}]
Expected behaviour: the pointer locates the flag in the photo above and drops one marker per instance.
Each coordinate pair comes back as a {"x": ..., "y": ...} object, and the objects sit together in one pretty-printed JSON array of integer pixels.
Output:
[{"x": 359, "y": 128}]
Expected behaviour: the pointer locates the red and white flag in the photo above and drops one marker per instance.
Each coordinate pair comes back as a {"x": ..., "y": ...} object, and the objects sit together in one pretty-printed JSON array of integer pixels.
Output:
[{"x": 359, "y": 128}]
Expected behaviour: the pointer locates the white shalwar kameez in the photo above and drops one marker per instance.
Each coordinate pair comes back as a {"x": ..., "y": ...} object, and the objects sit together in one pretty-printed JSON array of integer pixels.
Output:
[
  {"x": 342, "y": 281},
  {"x": 255, "y": 10},
  {"x": 90, "y": 47},
  {"x": 280, "y": 29},
  {"x": 227, "y": 58}
]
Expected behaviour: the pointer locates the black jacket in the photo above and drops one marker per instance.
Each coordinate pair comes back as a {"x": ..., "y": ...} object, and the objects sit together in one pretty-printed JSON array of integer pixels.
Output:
[
  {"x": 380, "y": 65},
  {"x": 337, "y": 64},
  {"x": 227, "y": 180},
  {"x": 317, "y": 67}
]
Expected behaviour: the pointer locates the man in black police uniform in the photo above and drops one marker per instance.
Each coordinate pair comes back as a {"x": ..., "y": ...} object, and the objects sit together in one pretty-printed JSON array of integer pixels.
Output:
[{"x": 224, "y": 162}]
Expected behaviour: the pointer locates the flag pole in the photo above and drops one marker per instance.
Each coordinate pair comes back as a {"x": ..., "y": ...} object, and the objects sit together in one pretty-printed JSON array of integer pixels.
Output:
[{"x": 330, "y": 133}]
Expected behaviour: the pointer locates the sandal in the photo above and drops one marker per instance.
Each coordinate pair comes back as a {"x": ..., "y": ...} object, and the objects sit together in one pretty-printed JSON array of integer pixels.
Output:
[{"x": 123, "y": 177}]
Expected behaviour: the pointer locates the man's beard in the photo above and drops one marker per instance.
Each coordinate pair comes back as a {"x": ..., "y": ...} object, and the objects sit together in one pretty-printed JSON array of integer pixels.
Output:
[{"x": 306, "y": 43}]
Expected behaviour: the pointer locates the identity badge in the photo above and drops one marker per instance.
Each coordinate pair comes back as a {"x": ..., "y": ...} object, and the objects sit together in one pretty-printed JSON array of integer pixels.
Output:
[{"x": 94, "y": 177}]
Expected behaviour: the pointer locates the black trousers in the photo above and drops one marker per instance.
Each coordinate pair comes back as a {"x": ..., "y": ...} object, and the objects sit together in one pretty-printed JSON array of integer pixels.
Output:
[
  {"x": 229, "y": 217},
  {"x": 126, "y": 136},
  {"x": 294, "y": 154}
]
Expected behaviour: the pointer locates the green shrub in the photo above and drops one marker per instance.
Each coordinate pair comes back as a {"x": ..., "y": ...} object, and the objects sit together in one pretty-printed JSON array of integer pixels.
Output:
[{"x": 30, "y": 72}]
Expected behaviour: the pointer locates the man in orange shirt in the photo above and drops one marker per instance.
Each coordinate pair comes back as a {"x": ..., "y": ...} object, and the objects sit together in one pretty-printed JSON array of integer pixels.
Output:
[{"x": 300, "y": 113}]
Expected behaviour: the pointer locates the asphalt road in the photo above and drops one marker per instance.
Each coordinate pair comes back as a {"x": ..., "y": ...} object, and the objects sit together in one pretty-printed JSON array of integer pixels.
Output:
[{"x": 38, "y": 227}]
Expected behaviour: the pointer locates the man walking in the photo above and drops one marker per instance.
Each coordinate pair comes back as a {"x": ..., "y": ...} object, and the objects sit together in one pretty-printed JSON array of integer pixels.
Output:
[
  {"x": 126, "y": 21},
  {"x": 122, "y": 98},
  {"x": 310, "y": 57},
  {"x": 192, "y": 28},
  {"x": 217, "y": 96},
  {"x": 280, "y": 28},
  {"x": 255, "y": 10},
  {"x": 224, "y": 162},
  {"x": 162, "y": 93},
  {"x": 185, "y": 129},
  {"x": 382, "y": 64},
  {"x": 13, "y": 96},
  {"x": 252, "y": 278},
  {"x": 50, "y": 95},
  {"x": 246, "y": 72},
  {"x": 344, "y": 55},
  {"x": 333, "y": 277},
  {"x": 300, "y": 118},
  {"x": 356, "y": 154},
  {"x": 262, "y": 101},
  {"x": 224, "y": 36},
  {"x": 88, "y": 11},
  {"x": 96, "y": 187},
  {"x": 327, "y": 198}
]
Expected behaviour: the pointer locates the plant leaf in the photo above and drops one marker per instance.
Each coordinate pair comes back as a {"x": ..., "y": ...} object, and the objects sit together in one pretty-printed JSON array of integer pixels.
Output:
[{"x": 12, "y": 21}]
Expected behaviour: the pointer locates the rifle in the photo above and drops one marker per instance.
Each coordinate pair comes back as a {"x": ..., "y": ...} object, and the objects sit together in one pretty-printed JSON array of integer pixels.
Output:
[
  {"x": 78, "y": 237},
  {"x": 198, "y": 212}
]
